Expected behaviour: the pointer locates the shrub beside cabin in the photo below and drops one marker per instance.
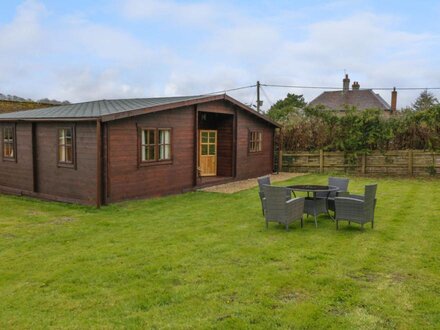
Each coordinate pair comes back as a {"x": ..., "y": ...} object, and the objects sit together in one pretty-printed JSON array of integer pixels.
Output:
[{"x": 112, "y": 150}]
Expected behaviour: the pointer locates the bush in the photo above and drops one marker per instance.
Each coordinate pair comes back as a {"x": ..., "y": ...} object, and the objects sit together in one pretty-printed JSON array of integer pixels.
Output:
[{"x": 355, "y": 132}]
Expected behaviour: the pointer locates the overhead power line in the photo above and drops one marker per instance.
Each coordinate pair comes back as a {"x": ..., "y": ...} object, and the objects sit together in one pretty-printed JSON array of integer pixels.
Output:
[
  {"x": 339, "y": 88},
  {"x": 267, "y": 96},
  {"x": 260, "y": 85},
  {"x": 231, "y": 90}
]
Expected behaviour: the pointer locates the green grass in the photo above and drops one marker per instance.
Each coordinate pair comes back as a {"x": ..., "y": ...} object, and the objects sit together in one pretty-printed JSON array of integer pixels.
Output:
[{"x": 205, "y": 260}]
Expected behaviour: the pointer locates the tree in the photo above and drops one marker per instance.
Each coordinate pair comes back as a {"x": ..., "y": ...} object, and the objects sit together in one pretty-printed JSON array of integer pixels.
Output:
[
  {"x": 281, "y": 110},
  {"x": 425, "y": 101}
]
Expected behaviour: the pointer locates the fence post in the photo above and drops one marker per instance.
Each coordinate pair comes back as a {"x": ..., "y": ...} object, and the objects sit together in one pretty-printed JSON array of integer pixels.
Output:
[
  {"x": 410, "y": 162},
  {"x": 364, "y": 163},
  {"x": 280, "y": 153},
  {"x": 321, "y": 161}
]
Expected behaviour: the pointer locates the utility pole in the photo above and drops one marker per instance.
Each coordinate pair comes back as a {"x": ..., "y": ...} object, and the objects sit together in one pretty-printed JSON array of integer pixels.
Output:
[{"x": 258, "y": 96}]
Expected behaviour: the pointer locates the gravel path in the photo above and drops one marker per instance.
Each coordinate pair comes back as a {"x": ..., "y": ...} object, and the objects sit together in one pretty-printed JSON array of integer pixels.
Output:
[{"x": 233, "y": 187}]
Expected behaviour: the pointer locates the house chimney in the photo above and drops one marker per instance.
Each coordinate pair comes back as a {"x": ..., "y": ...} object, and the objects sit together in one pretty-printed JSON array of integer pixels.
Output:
[
  {"x": 355, "y": 86},
  {"x": 346, "y": 83},
  {"x": 393, "y": 101}
]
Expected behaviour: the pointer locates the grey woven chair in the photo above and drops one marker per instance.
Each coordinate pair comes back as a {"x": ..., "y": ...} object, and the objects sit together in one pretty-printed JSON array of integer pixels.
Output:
[
  {"x": 265, "y": 180},
  {"x": 277, "y": 209},
  {"x": 357, "y": 208},
  {"x": 342, "y": 184}
]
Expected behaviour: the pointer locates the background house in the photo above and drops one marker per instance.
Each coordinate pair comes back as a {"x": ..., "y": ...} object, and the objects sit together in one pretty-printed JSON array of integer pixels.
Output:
[
  {"x": 360, "y": 98},
  {"x": 112, "y": 150}
]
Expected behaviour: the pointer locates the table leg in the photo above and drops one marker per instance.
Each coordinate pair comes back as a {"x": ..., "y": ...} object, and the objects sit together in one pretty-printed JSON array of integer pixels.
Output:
[
  {"x": 326, "y": 206},
  {"x": 314, "y": 210}
]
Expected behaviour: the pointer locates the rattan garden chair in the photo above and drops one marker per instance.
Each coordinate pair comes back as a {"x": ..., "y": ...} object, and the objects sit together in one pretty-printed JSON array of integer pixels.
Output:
[
  {"x": 342, "y": 184},
  {"x": 277, "y": 209},
  {"x": 357, "y": 208},
  {"x": 265, "y": 180}
]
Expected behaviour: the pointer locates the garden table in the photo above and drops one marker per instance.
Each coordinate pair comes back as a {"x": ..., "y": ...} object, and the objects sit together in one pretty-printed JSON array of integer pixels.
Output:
[{"x": 314, "y": 205}]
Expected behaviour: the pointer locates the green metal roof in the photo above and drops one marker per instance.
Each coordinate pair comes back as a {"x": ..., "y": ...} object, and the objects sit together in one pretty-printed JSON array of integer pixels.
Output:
[
  {"x": 94, "y": 109},
  {"x": 107, "y": 110}
]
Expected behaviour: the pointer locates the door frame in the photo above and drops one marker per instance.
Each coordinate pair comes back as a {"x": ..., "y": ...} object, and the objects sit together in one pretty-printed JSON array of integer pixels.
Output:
[{"x": 199, "y": 151}]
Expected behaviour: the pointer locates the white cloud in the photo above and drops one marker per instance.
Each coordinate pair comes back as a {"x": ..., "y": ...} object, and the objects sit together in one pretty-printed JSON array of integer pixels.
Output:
[
  {"x": 104, "y": 42},
  {"x": 78, "y": 58},
  {"x": 366, "y": 45},
  {"x": 92, "y": 85},
  {"x": 190, "y": 13},
  {"x": 188, "y": 80},
  {"x": 24, "y": 30},
  {"x": 69, "y": 57}
]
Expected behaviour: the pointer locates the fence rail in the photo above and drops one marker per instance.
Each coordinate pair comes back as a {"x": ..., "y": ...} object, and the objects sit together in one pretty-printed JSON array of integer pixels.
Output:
[{"x": 394, "y": 162}]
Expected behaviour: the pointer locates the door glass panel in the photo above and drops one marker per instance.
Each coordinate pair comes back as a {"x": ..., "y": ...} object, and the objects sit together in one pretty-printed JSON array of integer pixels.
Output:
[
  {"x": 212, "y": 149},
  {"x": 212, "y": 137},
  {"x": 204, "y": 149},
  {"x": 204, "y": 137}
]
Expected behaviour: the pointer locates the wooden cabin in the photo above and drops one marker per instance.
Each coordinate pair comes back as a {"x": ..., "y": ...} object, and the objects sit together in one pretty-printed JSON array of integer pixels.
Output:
[{"x": 112, "y": 150}]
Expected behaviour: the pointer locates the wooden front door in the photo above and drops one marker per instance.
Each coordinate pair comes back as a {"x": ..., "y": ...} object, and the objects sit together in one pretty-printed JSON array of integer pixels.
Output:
[{"x": 208, "y": 152}]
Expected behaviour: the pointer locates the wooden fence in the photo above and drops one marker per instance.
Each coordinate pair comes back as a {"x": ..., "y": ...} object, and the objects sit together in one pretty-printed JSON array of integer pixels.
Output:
[{"x": 398, "y": 162}]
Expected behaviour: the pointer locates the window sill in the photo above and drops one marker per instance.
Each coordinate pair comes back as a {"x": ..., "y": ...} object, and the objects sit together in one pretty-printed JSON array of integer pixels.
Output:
[
  {"x": 156, "y": 163},
  {"x": 9, "y": 159},
  {"x": 250, "y": 153},
  {"x": 66, "y": 165}
]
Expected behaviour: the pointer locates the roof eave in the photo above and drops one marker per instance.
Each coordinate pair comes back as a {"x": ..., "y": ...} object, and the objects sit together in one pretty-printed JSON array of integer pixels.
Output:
[{"x": 50, "y": 119}]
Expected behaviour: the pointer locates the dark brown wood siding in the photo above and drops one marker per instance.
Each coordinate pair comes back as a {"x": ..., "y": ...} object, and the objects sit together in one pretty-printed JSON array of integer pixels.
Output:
[
  {"x": 78, "y": 182},
  {"x": 121, "y": 174},
  {"x": 18, "y": 174},
  {"x": 129, "y": 180},
  {"x": 250, "y": 165},
  {"x": 225, "y": 146}
]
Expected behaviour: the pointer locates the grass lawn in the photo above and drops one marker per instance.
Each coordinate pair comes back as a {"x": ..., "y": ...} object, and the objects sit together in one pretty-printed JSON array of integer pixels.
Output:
[{"x": 205, "y": 260}]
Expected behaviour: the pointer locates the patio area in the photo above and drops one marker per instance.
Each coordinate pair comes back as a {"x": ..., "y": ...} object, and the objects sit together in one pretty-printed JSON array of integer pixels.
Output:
[{"x": 236, "y": 186}]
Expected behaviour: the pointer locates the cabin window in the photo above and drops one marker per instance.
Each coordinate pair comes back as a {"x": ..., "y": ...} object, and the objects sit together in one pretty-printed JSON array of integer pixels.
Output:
[
  {"x": 155, "y": 144},
  {"x": 148, "y": 145},
  {"x": 255, "y": 141},
  {"x": 164, "y": 144},
  {"x": 65, "y": 146},
  {"x": 9, "y": 143}
]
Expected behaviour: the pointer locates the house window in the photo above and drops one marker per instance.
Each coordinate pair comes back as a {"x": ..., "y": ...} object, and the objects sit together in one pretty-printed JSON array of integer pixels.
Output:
[
  {"x": 65, "y": 145},
  {"x": 155, "y": 144},
  {"x": 148, "y": 145},
  {"x": 255, "y": 141},
  {"x": 9, "y": 142},
  {"x": 164, "y": 144}
]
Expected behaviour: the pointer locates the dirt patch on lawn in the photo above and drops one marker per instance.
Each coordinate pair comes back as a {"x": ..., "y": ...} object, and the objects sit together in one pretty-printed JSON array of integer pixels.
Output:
[
  {"x": 63, "y": 220},
  {"x": 236, "y": 186}
]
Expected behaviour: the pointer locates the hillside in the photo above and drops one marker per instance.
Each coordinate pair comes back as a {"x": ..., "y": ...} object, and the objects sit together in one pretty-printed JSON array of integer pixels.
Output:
[{"x": 12, "y": 106}]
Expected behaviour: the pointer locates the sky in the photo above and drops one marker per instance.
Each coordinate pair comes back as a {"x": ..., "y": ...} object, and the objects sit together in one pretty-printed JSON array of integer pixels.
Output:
[{"x": 89, "y": 50}]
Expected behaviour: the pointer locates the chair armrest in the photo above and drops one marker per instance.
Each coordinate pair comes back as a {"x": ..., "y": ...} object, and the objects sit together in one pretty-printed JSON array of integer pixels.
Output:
[
  {"x": 349, "y": 199},
  {"x": 295, "y": 206},
  {"x": 358, "y": 197},
  {"x": 348, "y": 203}
]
